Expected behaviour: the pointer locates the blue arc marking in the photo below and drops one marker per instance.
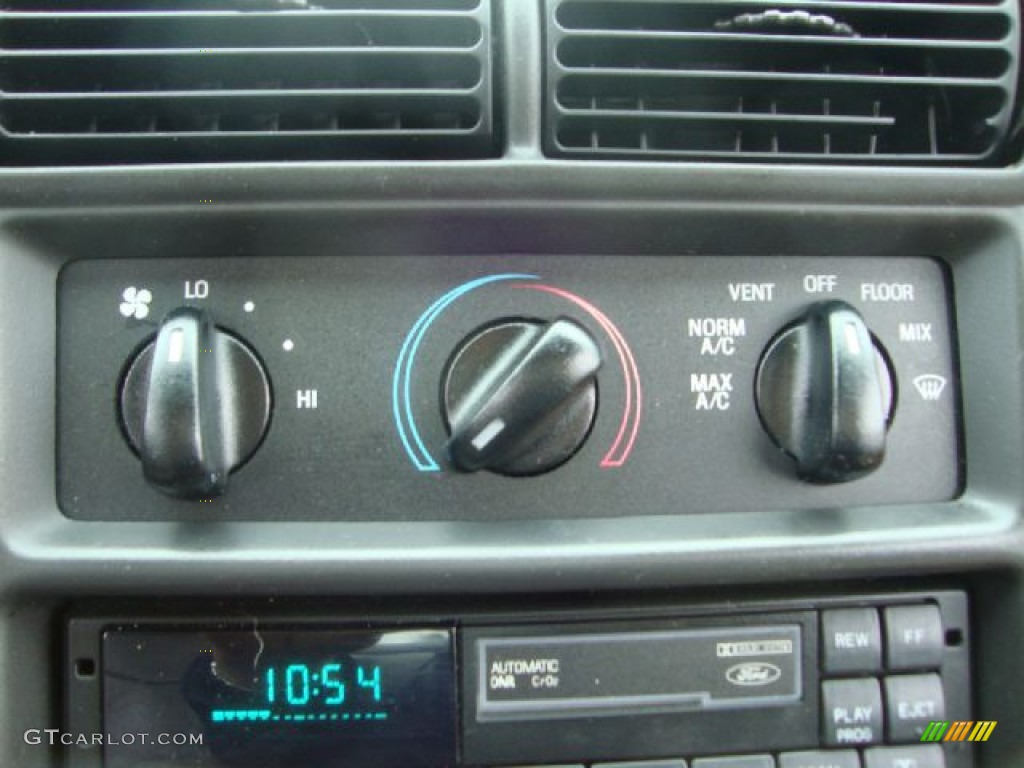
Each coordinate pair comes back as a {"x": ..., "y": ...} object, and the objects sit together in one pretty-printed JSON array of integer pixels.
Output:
[{"x": 401, "y": 385}]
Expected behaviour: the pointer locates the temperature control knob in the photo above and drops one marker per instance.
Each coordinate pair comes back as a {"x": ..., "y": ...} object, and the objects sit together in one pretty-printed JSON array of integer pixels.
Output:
[
  {"x": 825, "y": 394},
  {"x": 195, "y": 405},
  {"x": 519, "y": 397}
]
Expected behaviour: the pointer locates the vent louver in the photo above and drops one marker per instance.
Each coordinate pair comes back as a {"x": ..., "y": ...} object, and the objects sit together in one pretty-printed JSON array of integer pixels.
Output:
[
  {"x": 820, "y": 81},
  {"x": 121, "y": 81}
]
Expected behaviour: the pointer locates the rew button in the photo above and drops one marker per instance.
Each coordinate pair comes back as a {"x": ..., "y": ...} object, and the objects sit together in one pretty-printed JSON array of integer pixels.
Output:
[{"x": 852, "y": 640}]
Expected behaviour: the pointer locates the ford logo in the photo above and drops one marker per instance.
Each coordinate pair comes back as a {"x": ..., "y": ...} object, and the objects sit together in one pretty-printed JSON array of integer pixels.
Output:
[{"x": 753, "y": 673}]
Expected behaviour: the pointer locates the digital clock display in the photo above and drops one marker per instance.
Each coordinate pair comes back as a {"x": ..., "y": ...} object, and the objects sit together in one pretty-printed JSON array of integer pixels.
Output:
[{"x": 279, "y": 697}]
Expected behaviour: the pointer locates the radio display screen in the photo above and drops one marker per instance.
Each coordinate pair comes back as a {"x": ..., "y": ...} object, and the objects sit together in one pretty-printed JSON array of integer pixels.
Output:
[{"x": 279, "y": 697}]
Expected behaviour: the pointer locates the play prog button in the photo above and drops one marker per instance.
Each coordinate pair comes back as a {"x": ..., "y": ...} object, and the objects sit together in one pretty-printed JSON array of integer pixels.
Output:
[{"x": 852, "y": 712}]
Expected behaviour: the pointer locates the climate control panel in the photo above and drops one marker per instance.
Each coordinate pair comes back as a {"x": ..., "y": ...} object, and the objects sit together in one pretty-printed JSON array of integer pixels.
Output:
[{"x": 404, "y": 388}]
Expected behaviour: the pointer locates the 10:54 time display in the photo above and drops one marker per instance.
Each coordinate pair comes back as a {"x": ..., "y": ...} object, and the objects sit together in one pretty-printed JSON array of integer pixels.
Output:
[{"x": 330, "y": 684}]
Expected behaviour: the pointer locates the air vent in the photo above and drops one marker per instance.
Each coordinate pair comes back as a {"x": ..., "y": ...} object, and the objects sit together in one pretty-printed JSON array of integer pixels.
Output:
[
  {"x": 123, "y": 81},
  {"x": 838, "y": 82}
]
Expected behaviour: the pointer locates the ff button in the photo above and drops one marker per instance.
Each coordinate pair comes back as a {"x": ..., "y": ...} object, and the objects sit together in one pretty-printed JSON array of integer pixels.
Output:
[{"x": 914, "y": 637}]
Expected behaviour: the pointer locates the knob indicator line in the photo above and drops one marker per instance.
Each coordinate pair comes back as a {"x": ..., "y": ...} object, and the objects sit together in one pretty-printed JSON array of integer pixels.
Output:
[
  {"x": 401, "y": 385},
  {"x": 519, "y": 396},
  {"x": 402, "y": 403},
  {"x": 825, "y": 394},
  {"x": 195, "y": 404}
]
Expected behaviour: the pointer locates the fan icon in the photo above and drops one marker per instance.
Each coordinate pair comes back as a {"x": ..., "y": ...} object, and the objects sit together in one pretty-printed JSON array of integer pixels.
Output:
[{"x": 136, "y": 302}]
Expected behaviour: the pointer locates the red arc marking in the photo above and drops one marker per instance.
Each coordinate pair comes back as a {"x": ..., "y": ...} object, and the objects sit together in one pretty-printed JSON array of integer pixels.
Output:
[{"x": 622, "y": 446}]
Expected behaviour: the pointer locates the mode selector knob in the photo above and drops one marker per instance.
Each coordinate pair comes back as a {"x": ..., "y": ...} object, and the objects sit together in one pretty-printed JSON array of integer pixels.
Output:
[
  {"x": 195, "y": 405},
  {"x": 519, "y": 396},
  {"x": 825, "y": 394}
]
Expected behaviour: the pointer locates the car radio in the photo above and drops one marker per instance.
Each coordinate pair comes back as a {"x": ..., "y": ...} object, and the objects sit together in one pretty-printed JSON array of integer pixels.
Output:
[{"x": 835, "y": 682}]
